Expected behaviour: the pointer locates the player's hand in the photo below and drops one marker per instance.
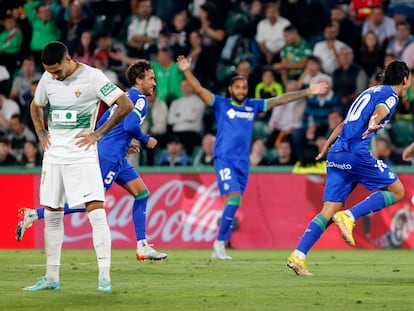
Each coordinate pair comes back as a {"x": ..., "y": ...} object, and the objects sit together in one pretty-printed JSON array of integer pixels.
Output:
[
  {"x": 322, "y": 155},
  {"x": 86, "y": 140},
  {"x": 152, "y": 143},
  {"x": 134, "y": 148},
  {"x": 183, "y": 62},
  {"x": 408, "y": 153},
  {"x": 371, "y": 128},
  {"x": 318, "y": 88},
  {"x": 44, "y": 139}
]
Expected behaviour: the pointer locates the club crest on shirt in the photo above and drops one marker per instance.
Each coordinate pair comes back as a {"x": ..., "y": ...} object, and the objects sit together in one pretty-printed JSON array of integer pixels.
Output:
[{"x": 78, "y": 93}]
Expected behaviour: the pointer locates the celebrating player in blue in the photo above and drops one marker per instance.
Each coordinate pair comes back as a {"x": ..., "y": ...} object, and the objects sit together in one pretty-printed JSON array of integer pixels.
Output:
[
  {"x": 235, "y": 117},
  {"x": 112, "y": 150},
  {"x": 349, "y": 163}
]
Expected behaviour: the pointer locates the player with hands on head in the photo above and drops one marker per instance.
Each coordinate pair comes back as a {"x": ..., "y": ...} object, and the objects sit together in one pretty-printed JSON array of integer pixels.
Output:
[
  {"x": 349, "y": 163},
  {"x": 235, "y": 117},
  {"x": 112, "y": 151}
]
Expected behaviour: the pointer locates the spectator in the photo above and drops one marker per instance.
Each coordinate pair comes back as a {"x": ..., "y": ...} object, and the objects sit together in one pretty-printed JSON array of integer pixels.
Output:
[
  {"x": 175, "y": 155},
  {"x": 179, "y": 31},
  {"x": 8, "y": 107},
  {"x": 348, "y": 31},
  {"x": 168, "y": 76},
  {"x": 74, "y": 18},
  {"x": 44, "y": 29},
  {"x": 370, "y": 56},
  {"x": 186, "y": 118},
  {"x": 315, "y": 117},
  {"x": 143, "y": 28},
  {"x": 11, "y": 40},
  {"x": 6, "y": 159},
  {"x": 384, "y": 151},
  {"x": 383, "y": 26},
  {"x": 312, "y": 71},
  {"x": 334, "y": 118},
  {"x": 206, "y": 156},
  {"x": 375, "y": 78},
  {"x": 405, "y": 109},
  {"x": 269, "y": 35},
  {"x": 294, "y": 55},
  {"x": 194, "y": 52},
  {"x": 19, "y": 134},
  {"x": 31, "y": 155},
  {"x": 254, "y": 15},
  {"x": 212, "y": 42},
  {"x": 284, "y": 153},
  {"x": 402, "y": 40},
  {"x": 349, "y": 79},
  {"x": 25, "y": 111},
  {"x": 21, "y": 83},
  {"x": 245, "y": 70},
  {"x": 258, "y": 152},
  {"x": 328, "y": 50},
  {"x": 267, "y": 88},
  {"x": 155, "y": 124},
  {"x": 100, "y": 61},
  {"x": 85, "y": 49},
  {"x": 115, "y": 52}
]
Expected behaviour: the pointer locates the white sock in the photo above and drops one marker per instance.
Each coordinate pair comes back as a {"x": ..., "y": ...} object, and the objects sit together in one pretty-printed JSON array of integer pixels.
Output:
[
  {"x": 349, "y": 213},
  {"x": 54, "y": 233},
  {"x": 101, "y": 241},
  {"x": 299, "y": 254}
]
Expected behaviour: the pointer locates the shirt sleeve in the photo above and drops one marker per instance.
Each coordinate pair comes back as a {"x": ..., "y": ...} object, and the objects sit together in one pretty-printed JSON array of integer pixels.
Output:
[
  {"x": 131, "y": 126},
  {"x": 40, "y": 96},
  {"x": 105, "y": 89}
]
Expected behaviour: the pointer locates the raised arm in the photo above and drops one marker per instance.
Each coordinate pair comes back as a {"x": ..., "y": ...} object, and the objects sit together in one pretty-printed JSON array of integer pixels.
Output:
[
  {"x": 314, "y": 89},
  {"x": 184, "y": 65}
]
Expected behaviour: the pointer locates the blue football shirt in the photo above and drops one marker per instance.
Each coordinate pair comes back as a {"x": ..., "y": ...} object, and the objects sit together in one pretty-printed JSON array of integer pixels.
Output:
[
  {"x": 235, "y": 126},
  {"x": 114, "y": 144}
]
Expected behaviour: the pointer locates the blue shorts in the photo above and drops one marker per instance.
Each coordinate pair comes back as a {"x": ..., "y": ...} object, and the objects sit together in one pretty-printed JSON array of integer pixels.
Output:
[
  {"x": 232, "y": 175},
  {"x": 121, "y": 173},
  {"x": 347, "y": 169}
]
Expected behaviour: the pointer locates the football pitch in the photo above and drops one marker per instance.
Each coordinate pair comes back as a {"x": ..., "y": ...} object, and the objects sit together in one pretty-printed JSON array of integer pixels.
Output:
[{"x": 190, "y": 280}]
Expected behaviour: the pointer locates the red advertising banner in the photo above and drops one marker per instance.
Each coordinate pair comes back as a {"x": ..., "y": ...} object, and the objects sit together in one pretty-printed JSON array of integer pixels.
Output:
[{"x": 183, "y": 210}]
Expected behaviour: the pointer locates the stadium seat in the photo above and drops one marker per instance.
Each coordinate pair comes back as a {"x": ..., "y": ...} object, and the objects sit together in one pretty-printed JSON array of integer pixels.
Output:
[
  {"x": 260, "y": 129},
  {"x": 401, "y": 132}
]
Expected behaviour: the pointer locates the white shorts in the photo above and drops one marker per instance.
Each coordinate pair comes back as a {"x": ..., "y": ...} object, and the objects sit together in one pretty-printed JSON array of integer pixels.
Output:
[{"x": 73, "y": 183}]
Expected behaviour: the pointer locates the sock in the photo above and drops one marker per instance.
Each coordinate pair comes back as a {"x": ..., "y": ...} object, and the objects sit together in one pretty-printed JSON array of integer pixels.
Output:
[
  {"x": 53, "y": 243},
  {"x": 227, "y": 219},
  {"x": 312, "y": 234},
  {"x": 67, "y": 210},
  {"x": 101, "y": 241},
  {"x": 139, "y": 214},
  {"x": 373, "y": 203}
]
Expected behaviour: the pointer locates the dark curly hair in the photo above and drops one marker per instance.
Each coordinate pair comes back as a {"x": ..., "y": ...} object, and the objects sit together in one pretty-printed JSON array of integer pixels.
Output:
[
  {"x": 137, "y": 70},
  {"x": 395, "y": 73}
]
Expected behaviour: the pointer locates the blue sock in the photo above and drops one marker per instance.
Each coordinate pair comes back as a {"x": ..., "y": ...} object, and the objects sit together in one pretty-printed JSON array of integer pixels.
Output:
[
  {"x": 139, "y": 214},
  {"x": 227, "y": 219},
  {"x": 373, "y": 203},
  {"x": 312, "y": 233},
  {"x": 66, "y": 210},
  {"x": 40, "y": 212}
]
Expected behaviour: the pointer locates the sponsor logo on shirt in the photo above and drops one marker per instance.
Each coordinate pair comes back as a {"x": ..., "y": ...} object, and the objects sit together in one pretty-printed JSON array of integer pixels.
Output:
[
  {"x": 231, "y": 113},
  {"x": 341, "y": 166},
  {"x": 64, "y": 116},
  {"x": 107, "y": 88}
]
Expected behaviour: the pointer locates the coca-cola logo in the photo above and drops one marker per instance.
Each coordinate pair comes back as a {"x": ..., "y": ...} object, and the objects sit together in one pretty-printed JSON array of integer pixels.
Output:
[{"x": 184, "y": 210}]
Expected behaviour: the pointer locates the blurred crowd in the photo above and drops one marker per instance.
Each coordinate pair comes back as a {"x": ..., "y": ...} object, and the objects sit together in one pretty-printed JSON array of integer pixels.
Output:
[{"x": 278, "y": 46}]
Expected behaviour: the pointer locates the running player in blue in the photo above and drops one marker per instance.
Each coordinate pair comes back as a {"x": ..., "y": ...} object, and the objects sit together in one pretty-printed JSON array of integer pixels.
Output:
[
  {"x": 112, "y": 150},
  {"x": 350, "y": 163},
  {"x": 235, "y": 117}
]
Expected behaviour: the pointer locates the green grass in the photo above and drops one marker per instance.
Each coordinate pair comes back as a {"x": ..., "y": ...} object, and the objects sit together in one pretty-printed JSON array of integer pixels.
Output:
[{"x": 189, "y": 280}]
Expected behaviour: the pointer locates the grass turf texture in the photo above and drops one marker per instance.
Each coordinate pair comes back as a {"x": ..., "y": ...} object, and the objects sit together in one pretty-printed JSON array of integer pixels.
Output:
[{"x": 190, "y": 280}]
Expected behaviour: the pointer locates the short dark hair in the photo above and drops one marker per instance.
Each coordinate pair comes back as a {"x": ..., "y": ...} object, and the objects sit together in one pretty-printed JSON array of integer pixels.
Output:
[
  {"x": 395, "y": 73},
  {"x": 235, "y": 78},
  {"x": 53, "y": 53},
  {"x": 137, "y": 70}
]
